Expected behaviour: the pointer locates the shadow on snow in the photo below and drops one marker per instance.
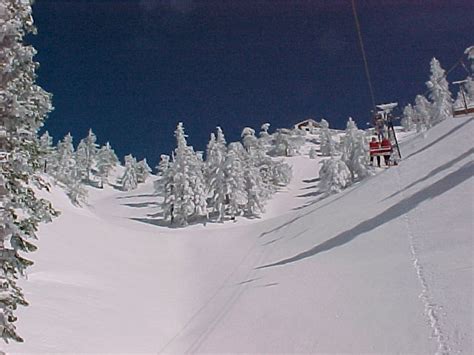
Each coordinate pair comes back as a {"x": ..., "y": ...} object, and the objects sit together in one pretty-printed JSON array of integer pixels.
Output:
[
  {"x": 434, "y": 172},
  {"x": 404, "y": 206},
  {"x": 441, "y": 138}
]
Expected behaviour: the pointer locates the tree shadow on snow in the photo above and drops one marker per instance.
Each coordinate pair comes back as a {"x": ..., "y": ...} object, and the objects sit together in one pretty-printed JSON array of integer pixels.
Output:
[
  {"x": 309, "y": 181},
  {"x": 137, "y": 196},
  {"x": 441, "y": 138},
  {"x": 404, "y": 206},
  {"x": 141, "y": 204},
  {"x": 161, "y": 222},
  {"x": 434, "y": 172},
  {"x": 311, "y": 194}
]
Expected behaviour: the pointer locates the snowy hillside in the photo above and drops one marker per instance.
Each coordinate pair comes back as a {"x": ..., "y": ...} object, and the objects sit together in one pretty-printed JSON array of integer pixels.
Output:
[{"x": 383, "y": 267}]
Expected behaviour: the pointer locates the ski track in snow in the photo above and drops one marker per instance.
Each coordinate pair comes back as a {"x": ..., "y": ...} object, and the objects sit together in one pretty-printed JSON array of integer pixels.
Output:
[
  {"x": 207, "y": 304},
  {"x": 431, "y": 308}
]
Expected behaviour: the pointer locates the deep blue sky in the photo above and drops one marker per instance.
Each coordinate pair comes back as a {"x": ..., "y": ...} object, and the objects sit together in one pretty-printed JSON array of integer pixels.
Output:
[{"x": 132, "y": 69}]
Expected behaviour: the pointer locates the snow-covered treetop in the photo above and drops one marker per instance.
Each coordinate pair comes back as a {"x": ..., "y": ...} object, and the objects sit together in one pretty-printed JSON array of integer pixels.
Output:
[
  {"x": 324, "y": 124},
  {"x": 247, "y": 131},
  {"x": 437, "y": 77},
  {"x": 470, "y": 54},
  {"x": 265, "y": 127},
  {"x": 351, "y": 124}
]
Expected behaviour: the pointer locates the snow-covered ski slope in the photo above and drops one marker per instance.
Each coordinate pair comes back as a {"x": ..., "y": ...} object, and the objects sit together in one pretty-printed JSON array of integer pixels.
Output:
[{"x": 384, "y": 267}]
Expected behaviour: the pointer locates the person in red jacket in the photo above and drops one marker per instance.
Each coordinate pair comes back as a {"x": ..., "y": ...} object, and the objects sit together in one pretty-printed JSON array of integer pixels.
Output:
[
  {"x": 386, "y": 148},
  {"x": 374, "y": 147}
]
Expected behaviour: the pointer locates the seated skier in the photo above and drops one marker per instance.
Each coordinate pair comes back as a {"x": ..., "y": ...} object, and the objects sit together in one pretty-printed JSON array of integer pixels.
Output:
[
  {"x": 374, "y": 147},
  {"x": 386, "y": 148}
]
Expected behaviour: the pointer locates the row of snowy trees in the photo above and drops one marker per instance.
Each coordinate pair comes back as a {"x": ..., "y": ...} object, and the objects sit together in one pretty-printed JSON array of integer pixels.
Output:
[
  {"x": 88, "y": 164},
  {"x": 348, "y": 165},
  {"x": 234, "y": 179},
  {"x": 23, "y": 108},
  {"x": 427, "y": 112}
]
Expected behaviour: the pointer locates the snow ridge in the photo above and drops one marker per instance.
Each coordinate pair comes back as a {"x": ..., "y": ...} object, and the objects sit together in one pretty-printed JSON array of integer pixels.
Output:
[{"x": 430, "y": 307}]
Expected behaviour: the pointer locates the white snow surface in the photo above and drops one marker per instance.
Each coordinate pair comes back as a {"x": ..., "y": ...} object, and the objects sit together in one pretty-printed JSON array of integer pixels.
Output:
[{"x": 383, "y": 267}]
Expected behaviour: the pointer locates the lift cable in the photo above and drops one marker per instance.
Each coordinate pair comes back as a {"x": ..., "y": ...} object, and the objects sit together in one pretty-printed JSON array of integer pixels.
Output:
[{"x": 362, "y": 48}]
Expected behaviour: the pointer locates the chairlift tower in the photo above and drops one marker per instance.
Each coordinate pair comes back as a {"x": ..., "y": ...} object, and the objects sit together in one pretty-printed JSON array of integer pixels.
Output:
[
  {"x": 463, "y": 94},
  {"x": 385, "y": 114}
]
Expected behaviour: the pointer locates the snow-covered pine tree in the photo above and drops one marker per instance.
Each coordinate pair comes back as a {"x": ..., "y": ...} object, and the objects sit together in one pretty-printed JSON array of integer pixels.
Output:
[
  {"x": 470, "y": 55},
  {"x": 355, "y": 151},
  {"x": 143, "y": 170},
  {"x": 440, "y": 96},
  {"x": 248, "y": 138},
  {"x": 66, "y": 171},
  {"x": 86, "y": 156},
  {"x": 334, "y": 176},
  {"x": 235, "y": 179},
  {"x": 407, "y": 120},
  {"x": 265, "y": 139},
  {"x": 469, "y": 86},
  {"x": 216, "y": 174},
  {"x": 106, "y": 161},
  {"x": 167, "y": 184},
  {"x": 257, "y": 190},
  {"x": 199, "y": 186},
  {"x": 287, "y": 142},
  {"x": 129, "y": 178},
  {"x": 185, "y": 191},
  {"x": 65, "y": 158},
  {"x": 47, "y": 152},
  {"x": 281, "y": 173},
  {"x": 264, "y": 130},
  {"x": 422, "y": 113},
  {"x": 312, "y": 153},
  {"x": 328, "y": 145},
  {"x": 162, "y": 167},
  {"x": 23, "y": 108}
]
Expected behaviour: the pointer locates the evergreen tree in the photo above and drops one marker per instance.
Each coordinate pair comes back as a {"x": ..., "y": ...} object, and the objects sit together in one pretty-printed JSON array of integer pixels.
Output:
[
  {"x": 470, "y": 55},
  {"x": 67, "y": 172},
  {"x": 422, "y": 113},
  {"x": 281, "y": 173},
  {"x": 287, "y": 142},
  {"x": 216, "y": 174},
  {"x": 328, "y": 145},
  {"x": 162, "y": 168},
  {"x": 235, "y": 179},
  {"x": 185, "y": 192},
  {"x": 248, "y": 138},
  {"x": 440, "y": 96},
  {"x": 129, "y": 179},
  {"x": 407, "y": 121},
  {"x": 334, "y": 176},
  {"x": 47, "y": 153},
  {"x": 355, "y": 151},
  {"x": 86, "y": 155},
  {"x": 265, "y": 138},
  {"x": 469, "y": 86},
  {"x": 264, "y": 130},
  {"x": 24, "y": 106},
  {"x": 106, "y": 161},
  {"x": 143, "y": 171},
  {"x": 255, "y": 189},
  {"x": 65, "y": 159},
  {"x": 469, "y": 89}
]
